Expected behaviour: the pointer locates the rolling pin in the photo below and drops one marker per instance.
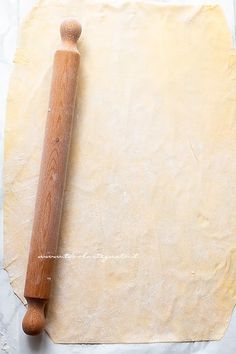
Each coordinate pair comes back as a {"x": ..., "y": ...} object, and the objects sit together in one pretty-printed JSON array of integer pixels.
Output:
[{"x": 49, "y": 199}]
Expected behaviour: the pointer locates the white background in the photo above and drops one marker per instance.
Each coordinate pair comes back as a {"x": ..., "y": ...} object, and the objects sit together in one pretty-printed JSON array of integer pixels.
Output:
[{"x": 12, "y": 339}]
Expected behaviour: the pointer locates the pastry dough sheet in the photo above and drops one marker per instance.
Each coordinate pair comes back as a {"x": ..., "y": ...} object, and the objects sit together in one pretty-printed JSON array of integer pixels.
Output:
[{"x": 147, "y": 249}]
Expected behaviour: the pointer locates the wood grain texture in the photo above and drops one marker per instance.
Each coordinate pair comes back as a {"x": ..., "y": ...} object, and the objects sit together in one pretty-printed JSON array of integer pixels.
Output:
[{"x": 52, "y": 177}]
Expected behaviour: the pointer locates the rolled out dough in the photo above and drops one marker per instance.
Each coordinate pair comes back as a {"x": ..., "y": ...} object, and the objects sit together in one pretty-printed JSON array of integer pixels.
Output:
[{"x": 148, "y": 239}]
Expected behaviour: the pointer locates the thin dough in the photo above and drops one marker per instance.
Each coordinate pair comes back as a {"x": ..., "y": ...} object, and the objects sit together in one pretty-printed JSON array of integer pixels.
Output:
[{"x": 150, "y": 207}]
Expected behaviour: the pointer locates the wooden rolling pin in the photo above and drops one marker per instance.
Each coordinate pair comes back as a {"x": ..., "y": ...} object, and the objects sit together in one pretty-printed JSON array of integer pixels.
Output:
[{"x": 52, "y": 177}]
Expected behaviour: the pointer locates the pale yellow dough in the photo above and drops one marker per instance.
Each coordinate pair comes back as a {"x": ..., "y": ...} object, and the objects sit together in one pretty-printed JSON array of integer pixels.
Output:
[{"x": 152, "y": 172}]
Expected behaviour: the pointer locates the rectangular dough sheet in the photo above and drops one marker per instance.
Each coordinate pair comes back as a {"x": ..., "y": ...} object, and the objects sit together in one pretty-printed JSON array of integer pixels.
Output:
[{"x": 147, "y": 248}]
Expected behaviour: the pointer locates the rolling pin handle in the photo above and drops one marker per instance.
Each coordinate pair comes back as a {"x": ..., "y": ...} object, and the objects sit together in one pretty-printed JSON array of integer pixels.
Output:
[
  {"x": 34, "y": 320},
  {"x": 70, "y": 32}
]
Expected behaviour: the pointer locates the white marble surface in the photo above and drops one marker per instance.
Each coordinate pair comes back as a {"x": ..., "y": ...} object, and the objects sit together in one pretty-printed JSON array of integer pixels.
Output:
[{"x": 12, "y": 339}]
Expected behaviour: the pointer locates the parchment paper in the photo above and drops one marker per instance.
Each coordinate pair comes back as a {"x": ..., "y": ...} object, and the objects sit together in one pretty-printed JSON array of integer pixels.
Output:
[{"x": 147, "y": 237}]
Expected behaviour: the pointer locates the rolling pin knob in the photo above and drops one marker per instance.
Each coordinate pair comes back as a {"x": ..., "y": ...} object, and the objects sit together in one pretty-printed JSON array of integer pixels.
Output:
[
  {"x": 34, "y": 320},
  {"x": 70, "y": 31}
]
